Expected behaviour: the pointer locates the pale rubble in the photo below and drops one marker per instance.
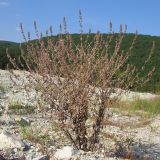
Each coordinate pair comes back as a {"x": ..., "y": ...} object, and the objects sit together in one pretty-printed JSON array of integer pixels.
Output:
[
  {"x": 128, "y": 95},
  {"x": 71, "y": 153}
]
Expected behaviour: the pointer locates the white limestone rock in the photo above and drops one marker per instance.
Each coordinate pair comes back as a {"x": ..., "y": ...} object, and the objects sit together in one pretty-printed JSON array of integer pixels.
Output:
[
  {"x": 65, "y": 153},
  {"x": 7, "y": 140}
]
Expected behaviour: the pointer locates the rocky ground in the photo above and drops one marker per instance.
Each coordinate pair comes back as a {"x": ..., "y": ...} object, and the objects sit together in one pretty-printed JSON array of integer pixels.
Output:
[{"x": 33, "y": 135}]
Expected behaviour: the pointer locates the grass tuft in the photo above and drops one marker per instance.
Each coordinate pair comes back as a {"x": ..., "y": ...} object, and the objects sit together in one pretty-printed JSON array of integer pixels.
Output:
[
  {"x": 147, "y": 108},
  {"x": 18, "y": 108},
  {"x": 2, "y": 87},
  {"x": 150, "y": 107}
]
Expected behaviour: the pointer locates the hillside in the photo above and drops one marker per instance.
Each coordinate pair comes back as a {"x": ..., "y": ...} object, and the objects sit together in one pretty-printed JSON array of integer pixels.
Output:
[
  {"x": 140, "y": 52},
  {"x": 13, "y": 49}
]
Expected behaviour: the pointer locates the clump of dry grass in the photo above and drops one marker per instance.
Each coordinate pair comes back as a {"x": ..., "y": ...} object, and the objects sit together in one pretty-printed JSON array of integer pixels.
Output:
[{"x": 77, "y": 80}]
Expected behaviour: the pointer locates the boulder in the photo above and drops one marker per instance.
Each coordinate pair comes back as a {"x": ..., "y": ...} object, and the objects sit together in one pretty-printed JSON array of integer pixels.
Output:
[
  {"x": 65, "y": 153},
  {"x": 7, "y": 140},
  {"x": 25, "y": 121}
]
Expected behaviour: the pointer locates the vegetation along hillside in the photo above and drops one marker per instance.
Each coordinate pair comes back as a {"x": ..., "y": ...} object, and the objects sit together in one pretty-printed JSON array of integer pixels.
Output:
[{"x": 140, "y": 52}]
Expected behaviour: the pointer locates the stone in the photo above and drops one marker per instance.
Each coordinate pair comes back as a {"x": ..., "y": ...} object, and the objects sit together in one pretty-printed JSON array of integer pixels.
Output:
[
  {"x": 7, "y": 140},
  {"x": 3, "y": 95},
  {"x": 43, "y": 157},
  {"x": 27, "y": 145},
  {"x": 25, "y": 121},
  {"x": 65, "y": 153}
]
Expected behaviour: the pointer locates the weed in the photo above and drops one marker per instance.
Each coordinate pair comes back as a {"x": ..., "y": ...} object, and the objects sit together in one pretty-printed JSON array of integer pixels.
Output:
[
  {"x": 72, "y": 75},
  {"x": 34, "y": 135}
]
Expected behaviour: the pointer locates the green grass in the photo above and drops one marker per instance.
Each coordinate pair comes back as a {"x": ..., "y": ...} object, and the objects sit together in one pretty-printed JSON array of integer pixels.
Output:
[
  {"x": 146, "y": 108},
  {"x": 33, "y": 135},
  {"x": 18, "y": 108}
]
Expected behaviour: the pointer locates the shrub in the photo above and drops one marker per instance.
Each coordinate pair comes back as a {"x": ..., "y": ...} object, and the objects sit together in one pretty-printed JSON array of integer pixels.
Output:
[{"x": 78, "y": 80}]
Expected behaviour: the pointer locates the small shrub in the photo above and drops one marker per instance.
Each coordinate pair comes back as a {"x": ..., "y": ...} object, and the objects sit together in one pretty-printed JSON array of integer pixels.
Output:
[{"x": 77, "y": 80}]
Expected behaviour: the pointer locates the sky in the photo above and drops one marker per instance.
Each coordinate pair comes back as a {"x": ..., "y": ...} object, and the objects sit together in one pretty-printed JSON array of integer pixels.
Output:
[{"x": 141, "y": 15}]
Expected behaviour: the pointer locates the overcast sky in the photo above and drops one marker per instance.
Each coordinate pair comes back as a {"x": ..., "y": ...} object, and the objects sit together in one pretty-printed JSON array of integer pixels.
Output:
[{"x": 143, "y": 15}]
